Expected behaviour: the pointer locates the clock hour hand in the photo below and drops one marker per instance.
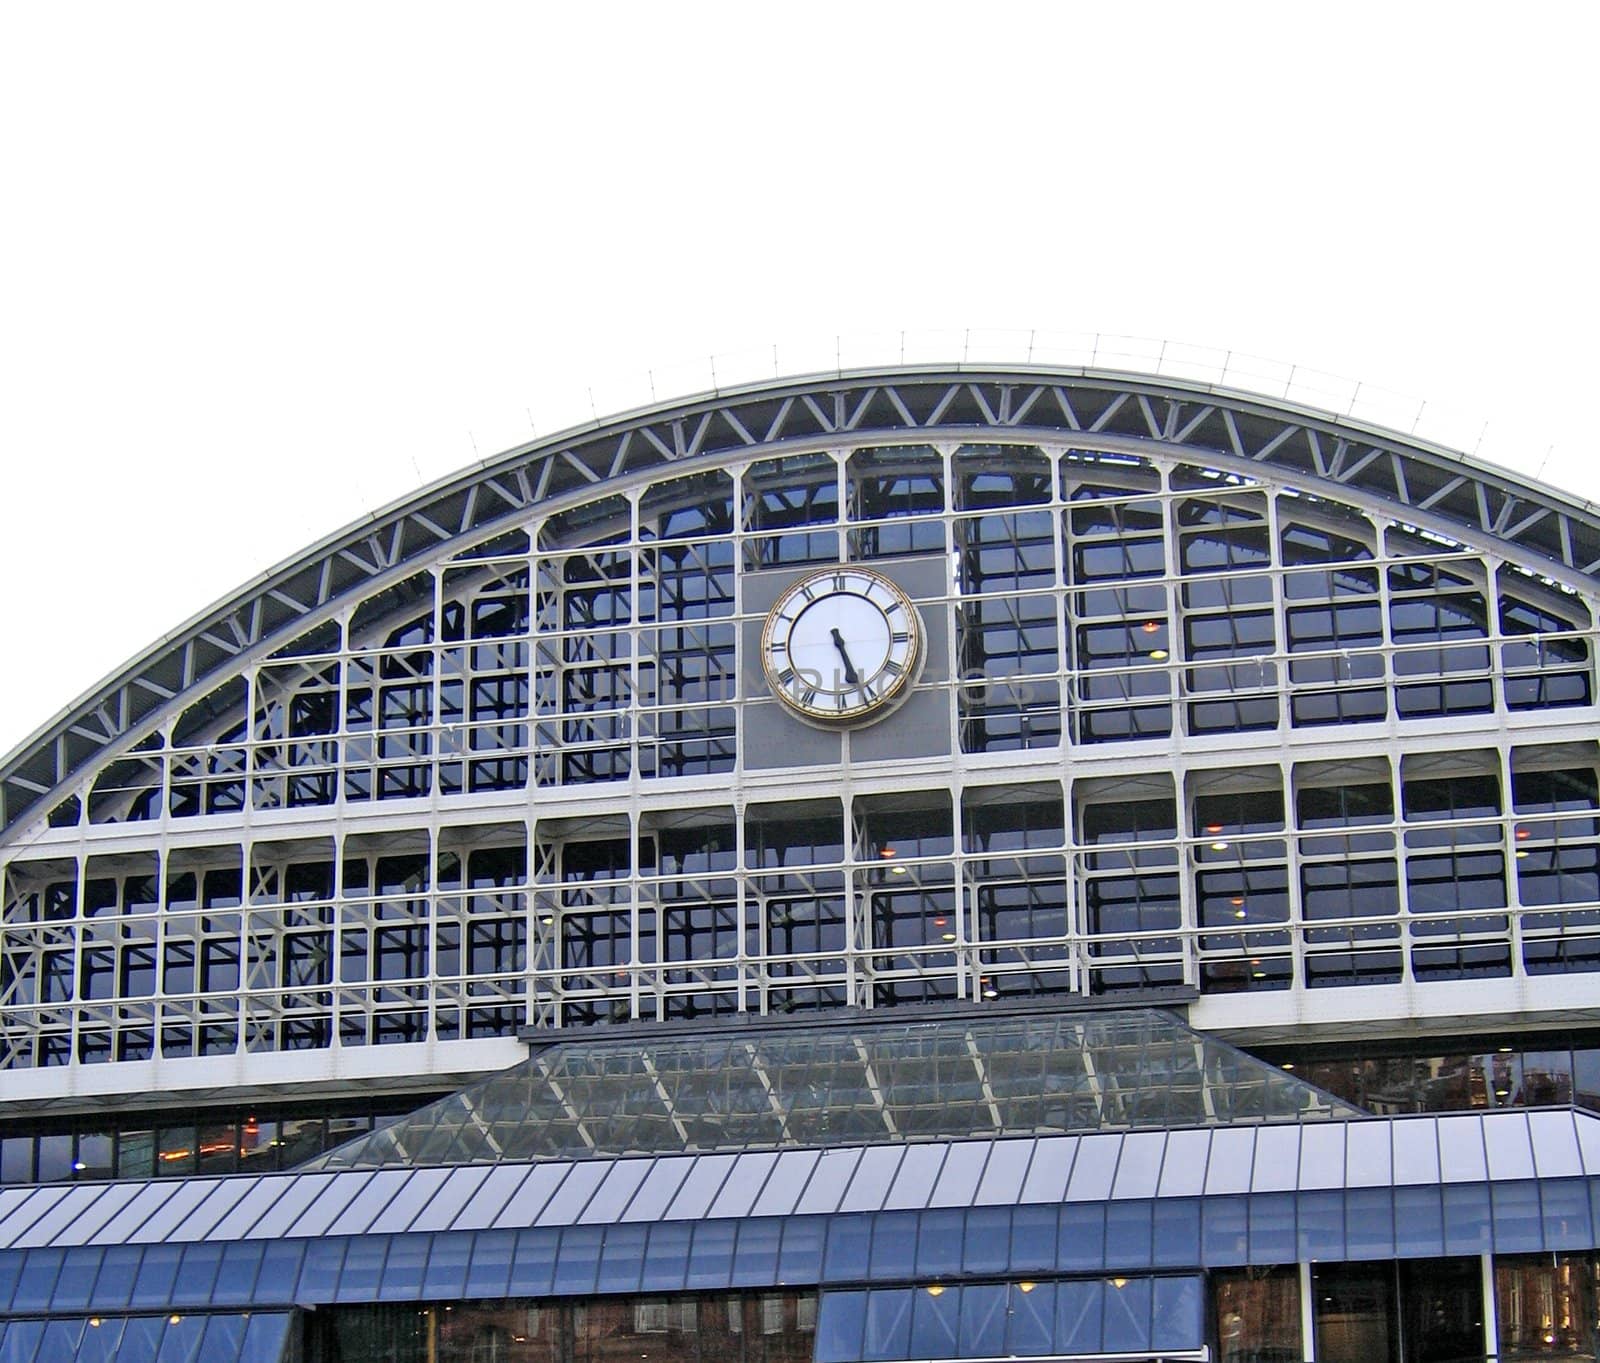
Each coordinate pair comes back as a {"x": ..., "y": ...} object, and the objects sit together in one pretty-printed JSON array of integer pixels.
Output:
[{"x": 849, "y": 669}]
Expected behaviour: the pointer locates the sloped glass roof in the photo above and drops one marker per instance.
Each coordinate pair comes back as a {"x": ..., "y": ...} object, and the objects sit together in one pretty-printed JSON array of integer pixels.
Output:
[{"x": 863, "y": 1083}]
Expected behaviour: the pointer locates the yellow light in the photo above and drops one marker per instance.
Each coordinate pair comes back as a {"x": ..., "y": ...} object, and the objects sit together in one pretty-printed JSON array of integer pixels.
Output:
[
  {"x": 1119, "y": 1283},
  {"x": 1288, "y": 1064},
  {"x": 886, "y": 852},
  {"x": 947, "y": 937},
  {"x": 1159, "y": 654},
  {"x": 95, "y": 1321},
  {"x": 1219, "y": 847},
  {"x": 936, "y": 1289},
  {"x": 1026, "y": 1287},
  {"x": 1240, "y": 913},
  {"x": 897, "y": 870},
  {"x": 1150, "y": 627},
  {"x": 173, "y": 1320}
]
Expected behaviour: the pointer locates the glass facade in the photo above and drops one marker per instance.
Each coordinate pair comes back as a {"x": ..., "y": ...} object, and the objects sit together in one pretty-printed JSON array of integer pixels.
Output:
[
  {"x": 814, "y": 1085},
  {"x": 1108, "y": 603},
  {"x": 765, "y": 1327}
]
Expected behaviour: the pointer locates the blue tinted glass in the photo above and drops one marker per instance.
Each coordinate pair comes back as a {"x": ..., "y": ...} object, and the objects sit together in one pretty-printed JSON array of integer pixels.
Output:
[
  {"x": 38, "y": 1280},
  {"x": 667, "y": 1262},
  {"x": 181, "y": 1340},
  {"x": 888, "y": 1328},
  {"x": 1565, "y": 1213},
  {"x": 490, "y": 1270},
  {"x": 1224, "y": 1230},
  {"x": 1033, "y": 1238},
  {"x": 319, "y": 1274},
  {"x": 1321, "y": 1225},
  {"x": 621, "y": 1258},
  {"x": 1127, "y": 1315},
  {"x": 849, "y": 1248},
  {"x": 1031, "y": 1330},
  {"x": 1081, "y": 1240},
  {"x": 801, "y": 1259},
  {"x": 1078, "y": 1316},
  {"x": 264, "y": 1338},
  {"x": 224, "y": 1338},
  {"x": 118, "y": 1270},
  {"x": 60, "y": 1340},
  {"x": 1463, "y": 1228},
  {"x": 1419, "y": 1222},
  {"x": 533, "y": 1264},
  {"x": 10, "y": 1268},
  {"x": 279, "y": 1279},
  {"x": 1128, "y": 1234},
  {"x": 76, "y": 1282},
  {"x": 755, "y": 1261},
  {"x": 100, "y": 1343},
  {"x": 578, "y": 1261},
  {"x": 141, "y": 1338},
  {"x": 1175, "y": 1239},
  {"x": 236, "y": 1278},
  {"x": 1369, "y": 1223},
  {"x": 403, "y": 1269},
  {"x": 21, "y": 1341},
  {"x": 1518, "y": 1227},
  {"x": 197, "y": 1275},
  {"x": 841, "y": 1317},
  {"x": 987, "y": 1247},
  {"x": 934, "y": 1318},
  {"x": 363, "y": 1268},
  {"x": 1272, "y": 1238},
  {"x": 894, "y": 1244},
  {"x": 1177, "y": 1318},
  {"x": 711, "y": 1254},
  {"x": 939, "y": 1244},
  {"x": 983, "y": 1320},
  {"x": 446, "y": 1271}
]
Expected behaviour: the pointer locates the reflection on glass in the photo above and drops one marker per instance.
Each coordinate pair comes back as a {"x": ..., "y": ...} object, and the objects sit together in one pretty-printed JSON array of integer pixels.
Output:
[
  {"x": 1546, "y": 1305},
  {"x": 770, "y": 1327},
  {"x": 1258, "y": 1314},
  {"x": 1415, "y": 1311}
]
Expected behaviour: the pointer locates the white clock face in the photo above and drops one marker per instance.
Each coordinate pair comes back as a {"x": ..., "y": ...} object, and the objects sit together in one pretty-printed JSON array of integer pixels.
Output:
[{"x": 841, "y": 645}]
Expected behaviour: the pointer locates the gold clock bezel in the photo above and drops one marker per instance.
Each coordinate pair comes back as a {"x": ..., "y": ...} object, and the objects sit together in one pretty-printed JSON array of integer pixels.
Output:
[{"x": 886, "y": 596}]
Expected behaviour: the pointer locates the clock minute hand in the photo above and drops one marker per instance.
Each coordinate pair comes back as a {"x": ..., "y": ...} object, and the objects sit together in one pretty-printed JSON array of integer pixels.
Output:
[{"x": 849, "y": 669}]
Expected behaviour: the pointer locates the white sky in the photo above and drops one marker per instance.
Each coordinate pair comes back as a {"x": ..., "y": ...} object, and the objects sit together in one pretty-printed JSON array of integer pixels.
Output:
[{"x": 264, "y": 269}]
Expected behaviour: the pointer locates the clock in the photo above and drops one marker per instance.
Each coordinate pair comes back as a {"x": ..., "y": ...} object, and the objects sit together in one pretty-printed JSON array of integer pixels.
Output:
[{"x": 842, "y": 646}]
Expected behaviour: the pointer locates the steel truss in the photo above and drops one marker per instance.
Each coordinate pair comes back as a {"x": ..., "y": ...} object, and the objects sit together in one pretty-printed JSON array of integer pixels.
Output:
[{"x": 1434, "y": 488}]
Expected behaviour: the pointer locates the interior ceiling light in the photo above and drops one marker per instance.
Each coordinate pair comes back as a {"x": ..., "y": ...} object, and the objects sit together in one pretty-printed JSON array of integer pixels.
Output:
[
  {"x": 1159, "y": 654},
  {"x": 1150, "y": 627}
]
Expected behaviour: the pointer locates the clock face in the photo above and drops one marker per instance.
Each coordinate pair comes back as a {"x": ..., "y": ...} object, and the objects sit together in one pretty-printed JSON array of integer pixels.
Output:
[{"x": 841, "y": 645}]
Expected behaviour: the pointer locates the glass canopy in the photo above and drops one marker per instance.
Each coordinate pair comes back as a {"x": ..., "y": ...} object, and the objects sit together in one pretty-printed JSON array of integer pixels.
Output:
[{"x": 862, "y": 1083}]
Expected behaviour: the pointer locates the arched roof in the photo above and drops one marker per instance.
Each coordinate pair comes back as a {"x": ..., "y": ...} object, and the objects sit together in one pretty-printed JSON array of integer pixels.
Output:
[{"x": 1421, "y": 484}]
